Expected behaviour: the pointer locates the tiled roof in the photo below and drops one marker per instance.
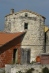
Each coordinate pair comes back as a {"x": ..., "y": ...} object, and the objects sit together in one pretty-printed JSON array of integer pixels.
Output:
[{"x": 6, "y": 37}]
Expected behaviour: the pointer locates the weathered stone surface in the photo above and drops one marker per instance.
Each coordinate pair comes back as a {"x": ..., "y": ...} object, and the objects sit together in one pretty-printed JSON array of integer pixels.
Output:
[
  {"x": 23, "y": 68},
  {"x": 25, "y": 56},
  {"x": 8, "y": 68},
  {"x": 34, "y": 37},
  {"x": 2, "y": 70}
]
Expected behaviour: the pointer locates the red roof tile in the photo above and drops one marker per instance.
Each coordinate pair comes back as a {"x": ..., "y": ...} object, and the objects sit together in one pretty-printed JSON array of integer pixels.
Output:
[{"x": 6, "y": 37}]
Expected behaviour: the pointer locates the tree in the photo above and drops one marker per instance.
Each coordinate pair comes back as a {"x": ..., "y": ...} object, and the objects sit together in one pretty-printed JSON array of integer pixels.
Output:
[{"x": 45, "y": 70}]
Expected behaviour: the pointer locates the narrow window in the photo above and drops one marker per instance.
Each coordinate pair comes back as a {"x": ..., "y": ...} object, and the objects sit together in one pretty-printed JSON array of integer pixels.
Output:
[
  {"x": 25, "y": 25},
  {"x": 15, "y": 56},
  {"x": 26, "y": 14}
]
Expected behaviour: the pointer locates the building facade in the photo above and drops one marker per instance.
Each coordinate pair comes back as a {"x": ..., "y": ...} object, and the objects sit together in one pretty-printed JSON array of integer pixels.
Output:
[
  {"x": 10, "y": 48},
  {"x": 32, "y": 25}
]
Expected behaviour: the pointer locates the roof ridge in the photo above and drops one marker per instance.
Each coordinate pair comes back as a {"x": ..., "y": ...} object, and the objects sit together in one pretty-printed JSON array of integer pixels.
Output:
[{"x": 28, "y": 11}]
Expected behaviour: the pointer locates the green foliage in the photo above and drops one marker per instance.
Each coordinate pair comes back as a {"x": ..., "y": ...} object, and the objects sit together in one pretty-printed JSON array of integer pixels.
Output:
[
  {"x": 19, "y": 72},
  {"x": 30, "y": 70},
  {"x": 45, "y": 70}
]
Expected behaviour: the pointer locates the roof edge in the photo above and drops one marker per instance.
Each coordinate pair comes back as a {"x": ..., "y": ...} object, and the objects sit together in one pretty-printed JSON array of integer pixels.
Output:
[
  {"x": 13, "y": 38},
  {"x": 26, "y": 11}
]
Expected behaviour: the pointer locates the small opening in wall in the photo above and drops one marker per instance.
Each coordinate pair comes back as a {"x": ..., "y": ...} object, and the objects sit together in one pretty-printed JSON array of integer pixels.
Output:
[
  {"x": 26, "y": 15},
  {"x": 15, "y": 56},
  {"x": 25, "y": 25}
]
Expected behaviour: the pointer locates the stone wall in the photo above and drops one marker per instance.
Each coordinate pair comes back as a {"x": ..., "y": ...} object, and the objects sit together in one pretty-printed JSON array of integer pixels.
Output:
[
  {"x": 2, "y": 70},
  {"x": 23, "y": 68},
  {"x": 34, "y": 37}
]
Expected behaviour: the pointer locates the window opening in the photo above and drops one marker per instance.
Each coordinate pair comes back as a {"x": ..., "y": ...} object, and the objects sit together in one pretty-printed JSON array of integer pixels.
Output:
[
  {"x": 25, "y": 25},
  {"x": 26, "y": 14}
]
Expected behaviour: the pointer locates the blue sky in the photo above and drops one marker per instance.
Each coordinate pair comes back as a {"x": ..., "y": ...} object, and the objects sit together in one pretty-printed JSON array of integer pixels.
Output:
[{"x": 39, "y": 6}]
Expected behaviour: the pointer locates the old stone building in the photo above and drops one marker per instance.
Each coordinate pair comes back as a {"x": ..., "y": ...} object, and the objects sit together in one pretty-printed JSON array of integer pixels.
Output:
[{"x": 32, "y": 25}]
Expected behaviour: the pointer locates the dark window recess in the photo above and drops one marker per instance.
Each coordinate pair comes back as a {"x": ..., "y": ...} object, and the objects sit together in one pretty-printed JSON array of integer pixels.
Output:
[
  {"x": 26, "y": 15},
  {"x": 14, "y": 53},
  {"x": 26, "y": 26},
  {"x": 45, "y": 37}
]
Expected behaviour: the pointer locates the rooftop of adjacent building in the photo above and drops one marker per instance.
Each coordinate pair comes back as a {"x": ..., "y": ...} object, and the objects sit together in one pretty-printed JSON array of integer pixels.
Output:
[
  {"x": 7, "y": 37},
  {"x": 46, "y": 28}
]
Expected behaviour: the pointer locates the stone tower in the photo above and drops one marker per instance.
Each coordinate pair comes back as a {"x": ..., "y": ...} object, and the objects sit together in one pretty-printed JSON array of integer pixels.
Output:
[{"x": 33, "y": 24}]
